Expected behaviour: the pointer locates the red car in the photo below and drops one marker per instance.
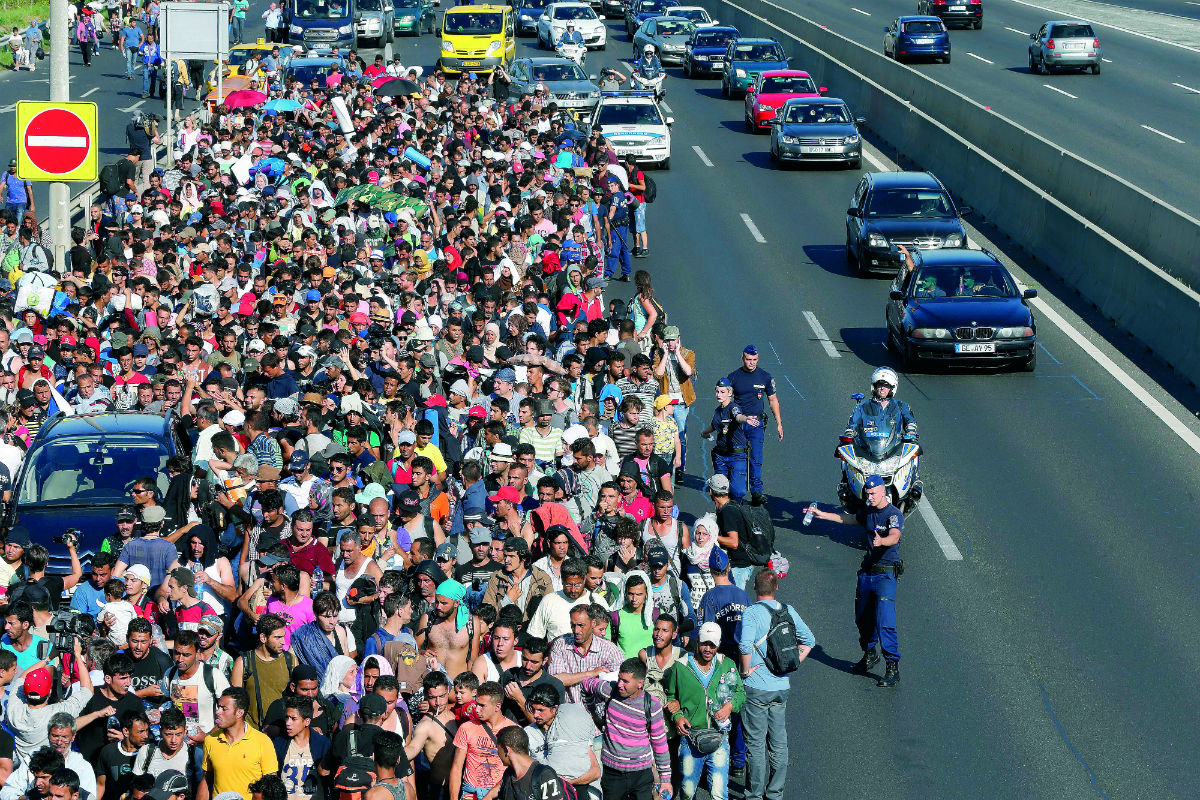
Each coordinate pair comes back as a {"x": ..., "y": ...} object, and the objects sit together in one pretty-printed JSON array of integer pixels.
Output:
[{"x": 766, "y": 95}]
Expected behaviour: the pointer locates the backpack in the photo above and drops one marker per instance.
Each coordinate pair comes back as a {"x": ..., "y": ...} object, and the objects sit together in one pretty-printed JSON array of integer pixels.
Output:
[
  {"x": 782, "y": 655},
  {"x": 110, "y": 180},
  {"x": 558, "y": 789},
  {"x": 651, "y": 191},
  {"x": 760, "y": 543}
]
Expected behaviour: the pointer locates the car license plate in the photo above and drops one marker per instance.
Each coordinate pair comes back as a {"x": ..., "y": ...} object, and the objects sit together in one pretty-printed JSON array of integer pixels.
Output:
[
  {"x": 958, "y": 8},
  {"x": 625, "y": 151},
  {"x": 922, "y": 41},
  {"x": 976, "y": 347},
  {"x": 820, "y": 149},
  {"x": 470, "y": 63}
]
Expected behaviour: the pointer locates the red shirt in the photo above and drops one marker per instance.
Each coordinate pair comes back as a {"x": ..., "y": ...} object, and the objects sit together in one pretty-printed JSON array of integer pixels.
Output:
[{"x": 312, "y": 555}]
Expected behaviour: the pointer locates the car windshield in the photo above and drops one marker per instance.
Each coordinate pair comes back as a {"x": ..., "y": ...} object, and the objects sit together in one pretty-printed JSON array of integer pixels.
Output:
[
  {"x": 1074, "y": 31},
  {"x": 86, "y": 471},
  {"x": 714, "y": 39},
  {"x": 370, "y": 5},
  {"x": 652, "y": 7},
  {"x": 695, "y": 14},
  {"x": 958, "y": 281},
  {"x": 558, "y": 72},
  {"x": 534, "y": 3},
  {"x": 238, "y": 58},
  {"x": 790, "y": 84},
  {"x": 925, "y": 26},
  {"x": 319, "y": 9},
  {"x": 629, "y": 114},
  {"x": 670, "y": 27},
  {"x": 407, "y": 4},
  {"x": 758, "y": 52},
  {"x": 574, "y": 12},
  {"x": 816, "y": 114},
  {"x": 909, "y": 203},
  {"x": 305, "y": 73},
  {"x": 475, "y": 23}
]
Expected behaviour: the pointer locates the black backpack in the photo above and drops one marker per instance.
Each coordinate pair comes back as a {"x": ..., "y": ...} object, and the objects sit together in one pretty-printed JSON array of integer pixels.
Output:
[
  {"x": 110, "y": 180},
  {"x": 782, "y": 655},
  {"x": 651, "y": 189},
  {"x": 760, "y": 543}
]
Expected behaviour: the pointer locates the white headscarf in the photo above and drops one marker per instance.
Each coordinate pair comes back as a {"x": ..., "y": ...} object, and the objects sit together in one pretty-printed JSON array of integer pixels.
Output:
[{"x": 331, "y": 684}]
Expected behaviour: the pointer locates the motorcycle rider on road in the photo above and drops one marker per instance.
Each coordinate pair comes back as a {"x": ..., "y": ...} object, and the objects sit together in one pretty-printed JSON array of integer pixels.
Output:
[
  {"x": 879, "y": 414},
  {"x": 648, "y": 66},
  {"x": 571, "y": 36}
]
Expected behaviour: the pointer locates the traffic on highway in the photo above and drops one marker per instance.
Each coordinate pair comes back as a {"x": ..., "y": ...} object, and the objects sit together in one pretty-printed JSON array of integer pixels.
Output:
[{"x": 586, "y": 396}]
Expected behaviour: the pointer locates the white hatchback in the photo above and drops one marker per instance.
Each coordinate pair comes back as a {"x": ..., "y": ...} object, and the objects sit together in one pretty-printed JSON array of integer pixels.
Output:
[{"x": 553, "y": 23}]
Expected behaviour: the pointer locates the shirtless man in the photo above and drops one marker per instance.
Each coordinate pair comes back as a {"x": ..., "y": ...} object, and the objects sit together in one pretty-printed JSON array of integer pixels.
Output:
[
  {"x": 504, "y": 655},
  {"x": 431, "y": 748},
  {"x": 452, "y": 640}
]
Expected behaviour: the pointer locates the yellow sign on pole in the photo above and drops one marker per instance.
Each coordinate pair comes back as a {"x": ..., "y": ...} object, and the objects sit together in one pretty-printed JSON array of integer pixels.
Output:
[{"x": 56, "y": 141}]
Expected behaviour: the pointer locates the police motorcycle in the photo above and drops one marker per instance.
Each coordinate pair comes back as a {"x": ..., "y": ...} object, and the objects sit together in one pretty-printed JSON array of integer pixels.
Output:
[
  {"x": 648, "y": 73},
  {"x": 571, "y": 46},
  {"x": 880, "y": 440}
]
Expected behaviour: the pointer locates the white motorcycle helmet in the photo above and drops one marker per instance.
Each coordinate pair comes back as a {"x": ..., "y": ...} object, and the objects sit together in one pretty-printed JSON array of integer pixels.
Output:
[
  {"x": 648, "y": 50},
  {"x": 885, "y": 375}
]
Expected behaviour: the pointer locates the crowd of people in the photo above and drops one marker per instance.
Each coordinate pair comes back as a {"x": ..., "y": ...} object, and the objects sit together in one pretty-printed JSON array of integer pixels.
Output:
[{"x": 422, "y": 537}]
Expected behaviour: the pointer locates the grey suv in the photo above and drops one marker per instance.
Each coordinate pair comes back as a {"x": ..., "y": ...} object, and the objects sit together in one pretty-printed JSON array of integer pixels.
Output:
[{"x": 1064, "y": 44}]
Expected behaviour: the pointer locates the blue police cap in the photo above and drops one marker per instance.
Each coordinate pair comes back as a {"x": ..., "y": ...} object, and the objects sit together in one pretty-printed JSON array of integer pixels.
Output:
[
  {"x": 724, "y": 382},
  {"x": 872, "y": 481},
  {"x": 751, "y": 350}
]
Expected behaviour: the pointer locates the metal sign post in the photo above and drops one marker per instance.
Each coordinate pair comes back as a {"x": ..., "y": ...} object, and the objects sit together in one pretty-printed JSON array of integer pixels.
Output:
[{"x": 192, "y": 30}]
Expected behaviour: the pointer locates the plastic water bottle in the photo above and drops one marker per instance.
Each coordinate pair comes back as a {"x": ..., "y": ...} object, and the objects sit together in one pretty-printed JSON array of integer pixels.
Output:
[
  {"x": 808, "y": 514},
  {"x": 417, "y": 157},
  {"x": 318, "y": 577},
  {"x": 723, "y": 695}
]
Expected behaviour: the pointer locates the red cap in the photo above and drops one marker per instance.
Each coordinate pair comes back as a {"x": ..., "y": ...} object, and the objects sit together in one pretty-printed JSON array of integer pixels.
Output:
[
  {"x": 38, "y": 682},
  {"x": 508, "y": 493},
  {"x": 477, "y": 411},
  {"x": 68, "y": 340},
  {"x": 358, "y": 318},
  {"x": 435, "y": 400}
]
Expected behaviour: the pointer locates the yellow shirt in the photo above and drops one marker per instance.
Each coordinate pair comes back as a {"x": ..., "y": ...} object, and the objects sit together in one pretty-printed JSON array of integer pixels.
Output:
[
  {"x": 431, "y": 452},
  {"x": 235, "y": 766}
]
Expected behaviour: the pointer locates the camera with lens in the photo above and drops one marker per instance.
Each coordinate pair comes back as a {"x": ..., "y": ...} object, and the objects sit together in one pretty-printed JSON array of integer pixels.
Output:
[
  {"x": 70, "y": 537},
  {"x": 64, "y": 628}
]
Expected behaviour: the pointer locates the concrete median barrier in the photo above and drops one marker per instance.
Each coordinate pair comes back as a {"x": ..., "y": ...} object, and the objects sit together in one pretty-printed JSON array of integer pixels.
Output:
[{"x": 1125, "y": 252}]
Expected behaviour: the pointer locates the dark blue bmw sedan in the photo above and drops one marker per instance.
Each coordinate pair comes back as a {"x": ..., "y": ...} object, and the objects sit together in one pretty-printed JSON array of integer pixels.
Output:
[{"x": 917, "y": 37}]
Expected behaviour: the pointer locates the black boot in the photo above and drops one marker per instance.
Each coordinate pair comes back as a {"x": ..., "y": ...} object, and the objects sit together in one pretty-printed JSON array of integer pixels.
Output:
[
  {"x": 870, "y": 658},
  {"x": 891, "y": 676}
]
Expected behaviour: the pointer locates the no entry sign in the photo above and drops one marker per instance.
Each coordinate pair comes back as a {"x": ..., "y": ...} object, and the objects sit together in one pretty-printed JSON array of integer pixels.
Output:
[{"x": 56, "y": 141}]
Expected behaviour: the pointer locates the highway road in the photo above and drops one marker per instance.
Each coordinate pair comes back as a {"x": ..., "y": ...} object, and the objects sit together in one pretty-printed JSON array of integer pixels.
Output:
[
  {"x": 1136, "y": 119},
  {"x": 1047, "y": 615}
]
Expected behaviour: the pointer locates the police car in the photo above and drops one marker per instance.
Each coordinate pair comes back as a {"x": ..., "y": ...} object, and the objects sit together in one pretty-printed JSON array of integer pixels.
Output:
[{"x": 635, "y": 125}]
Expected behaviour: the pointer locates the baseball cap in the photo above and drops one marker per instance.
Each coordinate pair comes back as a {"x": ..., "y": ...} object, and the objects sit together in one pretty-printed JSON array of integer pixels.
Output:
[
  {"x": 662, "y": 401},
  {"x": 656, "y": 556},
  {"x": 373, "y": 705},
  {"x": 185, "y": 578},
  {"x": 750, "y": 350},
  {"x": 154, "y": 515},
  {"x": 672, "y": 332},
  {"x": 718, "y": 560},
  {"x": 594, "y": 283},
  {"x": 126, "y": 514},
  {"x": 445, "y": 552},
  {"x": 169, "y": 783},
  {"x": 409, "y": 502},
  {"x": 211, "y": 623},
  {"x": 477, "y": 411},
  {"x": 724, "y": 382},
  {"x": 406, "y": 437},
  {"x": 710, "y": 632},
  {"x": 141, "y": 572},
  {"x": 717, "y": 484},
  {"x": 508, "y": 493},
  {"x": 38, "y": 682},
  {"x": 313, "y": 296},
  {"x": 872, "y": 481},
  {"x": 480, "y": 535},
  {"x": 298, "y": 461},
  {"x": 507, "y": 375}
]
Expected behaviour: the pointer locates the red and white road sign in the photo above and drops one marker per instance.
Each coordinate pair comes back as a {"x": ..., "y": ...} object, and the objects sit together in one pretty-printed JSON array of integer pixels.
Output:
[{"x": 57, "y": 141}]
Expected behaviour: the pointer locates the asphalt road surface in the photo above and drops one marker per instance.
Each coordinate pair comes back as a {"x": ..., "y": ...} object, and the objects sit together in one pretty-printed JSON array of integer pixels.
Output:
[{"x": 1053, "y": 657}]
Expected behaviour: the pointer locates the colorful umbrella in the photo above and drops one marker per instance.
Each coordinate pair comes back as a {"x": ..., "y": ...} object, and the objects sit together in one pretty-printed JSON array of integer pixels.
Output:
[
  {"x": 382, "y": 79},
  {"x": 245, "y": 98},
  {"x": 282, "y": 105},
  {"x": 397, "y": 88}
]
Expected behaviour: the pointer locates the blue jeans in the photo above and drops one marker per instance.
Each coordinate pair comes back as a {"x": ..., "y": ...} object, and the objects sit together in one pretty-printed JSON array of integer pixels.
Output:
[
  {"x": 765, "y": 718},
  {"x": 755, "y": 436},
  {"x": 618, "y": 253},
  {"x": 639, "y": 219},
  {"x": 130, "y": 60},
  {"x": 741, "y": 576},
  {"x": 732, "y": 466},
  {"x": 680, "y": 412},
  {"x": 236, "y": 27},
  {"x": 693, "y": 767},
  {"x": 149, "y": 79},
  {"x": 16, "y": 209},
  {"x": 875, "y": 613}
]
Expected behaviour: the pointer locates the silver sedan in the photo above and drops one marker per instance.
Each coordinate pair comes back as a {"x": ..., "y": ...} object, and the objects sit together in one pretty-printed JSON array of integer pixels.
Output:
[{"x": 667, "y": 35}]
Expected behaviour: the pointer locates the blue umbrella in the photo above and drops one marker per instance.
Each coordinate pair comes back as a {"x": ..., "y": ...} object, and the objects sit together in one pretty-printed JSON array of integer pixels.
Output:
[
  {"x": 282, "y": 105},
  {"x": 272, "y": 166}
]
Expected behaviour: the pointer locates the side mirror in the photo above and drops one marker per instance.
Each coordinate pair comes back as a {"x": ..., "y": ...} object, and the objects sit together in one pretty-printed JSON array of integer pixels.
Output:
[
  {"x": 1029, "y": 294},
  {"x": 895, "y": 294},
  {"x": 822, "y": 89},
  {"x": 715, "y": 22},
  {"x": 964, "y": 210},
  {"x": 852, "y": 212},
  {"x": 670, "y": 121},
  {"x": 1033, "y": 36},
  {"x": 860, "y": 120},
  {"x": 774, "y": 121},
  {"x": 593, "y": 78}
]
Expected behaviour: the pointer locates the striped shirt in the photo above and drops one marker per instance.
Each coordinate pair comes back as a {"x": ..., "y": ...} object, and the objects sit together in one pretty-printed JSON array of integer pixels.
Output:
[
  {"x": 545, "y": 448},
  {"x": 565, "y": 658},
  {"x": 631, "y": 742},
  {"x": 625, "y": 436}
]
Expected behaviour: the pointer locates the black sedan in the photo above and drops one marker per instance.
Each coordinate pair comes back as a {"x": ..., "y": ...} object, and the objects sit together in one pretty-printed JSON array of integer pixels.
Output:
[{"x": 960, "y": 306}]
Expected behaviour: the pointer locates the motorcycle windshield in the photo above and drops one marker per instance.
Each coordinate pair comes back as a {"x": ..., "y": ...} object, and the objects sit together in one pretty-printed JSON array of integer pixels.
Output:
[{"x": 878, "y": 444}]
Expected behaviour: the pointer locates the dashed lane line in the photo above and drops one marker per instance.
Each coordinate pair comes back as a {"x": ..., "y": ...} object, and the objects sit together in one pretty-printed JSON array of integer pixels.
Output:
[{"x": 822, "y": 336}]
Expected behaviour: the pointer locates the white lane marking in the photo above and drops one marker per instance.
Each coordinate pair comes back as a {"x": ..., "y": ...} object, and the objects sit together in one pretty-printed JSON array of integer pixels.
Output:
[
  {"x": 822, "y": 337},
  {"x": 666, "y": 108},
  {"x": 1106, "y": 60},
  {"x": 859, "y": 10},
  {"x": 1190, "y": 89},
  {"x": 1130, "y": 31},
  {"x": 754, "y": 231},
  {"x": 90, "y": 91},
  {"x": 1060, "y": 91},
  {"x": 1164, "y": 135},
  {"x": 1014, "y": 30},
  {"x": 981, "y": 58},
  {"x": 1122, "y": 377},
  {"x": 57, "y": 141},
  {"x": 934, "y": 523},
  {"x": 875, "y": 162},
  {"x": 700, "y": 153},
  {"x": 133, "y": 107}
]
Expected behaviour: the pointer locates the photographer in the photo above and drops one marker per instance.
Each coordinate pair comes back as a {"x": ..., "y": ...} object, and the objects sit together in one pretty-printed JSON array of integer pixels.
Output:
[
  {"x": 29, "y": 710},
  {"x": 37, "y": 558}
]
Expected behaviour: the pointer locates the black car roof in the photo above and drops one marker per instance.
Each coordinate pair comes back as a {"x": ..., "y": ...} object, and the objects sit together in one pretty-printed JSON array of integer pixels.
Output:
[
  {"x": 904, "y": 180},
  {"x": 956, "y": 257},
  {"x": 128, "y": 422}
]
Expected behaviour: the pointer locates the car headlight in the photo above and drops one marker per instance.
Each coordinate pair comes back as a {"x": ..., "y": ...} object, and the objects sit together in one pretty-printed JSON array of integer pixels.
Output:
[
  {"x": 789, "y": 140},
  {"x": 930, "y": 333},
  {"x": 296, "y": 29},
  {"x": 739, "y": 73},
  {"x": 526, "y": 18},
  {"x": 851, "y": 139},
  {"x": 494, "y": 46},
  {"x": 593, "y": 94},
  {"x": 447, "y": 46},
  {"x": 877, "y": 240},
  {"x": 1014, "y": 333},
  {"x": 345, "y": 29},
  {"x": 953, "y": 240}
]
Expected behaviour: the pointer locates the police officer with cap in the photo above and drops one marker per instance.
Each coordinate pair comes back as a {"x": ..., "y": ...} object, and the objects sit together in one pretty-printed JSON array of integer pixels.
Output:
[
  {"x": 875, "y": 597},
  {"x": 728, "y": 429},
  {"x": 750, "y": 385}
]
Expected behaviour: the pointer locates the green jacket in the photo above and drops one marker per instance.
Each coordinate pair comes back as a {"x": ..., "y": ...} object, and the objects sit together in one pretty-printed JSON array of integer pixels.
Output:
[{"x": 680, "y": 683}]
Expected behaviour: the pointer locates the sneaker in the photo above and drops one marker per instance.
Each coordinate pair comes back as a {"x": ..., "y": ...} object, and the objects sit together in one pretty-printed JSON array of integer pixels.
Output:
[{"x": 624, "y": 279}]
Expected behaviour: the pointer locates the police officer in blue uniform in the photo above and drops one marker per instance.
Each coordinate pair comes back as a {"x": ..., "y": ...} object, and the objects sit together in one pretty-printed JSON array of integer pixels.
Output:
[
  {"x": 730, "y": 445},
  {"x": 750, "y": 385},
  {"x": 617, "y": 218},
  {"x": 875, "y": 597}
]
